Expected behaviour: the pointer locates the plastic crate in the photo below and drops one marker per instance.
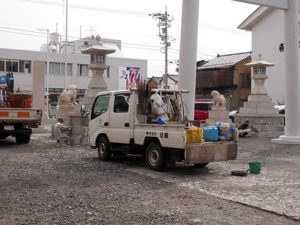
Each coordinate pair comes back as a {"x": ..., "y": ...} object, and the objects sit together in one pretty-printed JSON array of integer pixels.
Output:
[{"x": 194, "y": 135}]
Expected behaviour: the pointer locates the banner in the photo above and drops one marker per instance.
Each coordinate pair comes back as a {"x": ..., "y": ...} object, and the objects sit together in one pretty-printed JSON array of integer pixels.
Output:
[{"x": 128, "y": 77}]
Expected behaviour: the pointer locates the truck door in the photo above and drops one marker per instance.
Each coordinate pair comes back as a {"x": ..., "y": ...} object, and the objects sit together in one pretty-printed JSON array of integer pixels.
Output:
[
  {"x": 119, "y": 127},
  {"x": 100, "y": 115}
]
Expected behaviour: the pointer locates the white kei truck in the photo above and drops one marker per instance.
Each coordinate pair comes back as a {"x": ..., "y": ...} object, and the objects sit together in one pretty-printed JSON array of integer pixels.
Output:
[
  {"x": 17, "y": 122},
  {"x": 115, "y": 128}
]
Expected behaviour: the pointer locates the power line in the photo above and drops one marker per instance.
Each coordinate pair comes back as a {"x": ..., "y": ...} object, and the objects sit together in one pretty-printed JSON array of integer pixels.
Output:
[
  {"x": 93, "y": 8},
  {"x": 124, "y": 44}
]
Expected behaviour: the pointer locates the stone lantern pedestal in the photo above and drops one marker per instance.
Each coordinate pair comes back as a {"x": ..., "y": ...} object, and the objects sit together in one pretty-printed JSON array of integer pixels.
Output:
[
  {"x": 79, "y": 122},
  {"x": 259, "y": 109}
]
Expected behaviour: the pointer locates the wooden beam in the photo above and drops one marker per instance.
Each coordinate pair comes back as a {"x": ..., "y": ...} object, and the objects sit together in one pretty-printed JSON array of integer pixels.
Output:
[{"x": 280, "y": 4}]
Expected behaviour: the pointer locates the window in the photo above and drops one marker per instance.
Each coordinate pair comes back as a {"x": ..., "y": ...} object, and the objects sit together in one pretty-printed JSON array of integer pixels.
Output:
[
  {"x": 245, "y": 81},
  {"x": 54, "y": 68},
  {"x": 21, "y": 66},
  {"x": 83, "y": 70},
  {"x": 121, "y": 104},
  {"x": 27, "y": 66},
  {"x": 100, "y": 106},
  {"x": 59, "y": 68},
  {"x": 106, "y": 73},
  {"x": 2, "y": 65},
  {"x": 69, "y": 69},
  {"x": 12, "y": 66}
]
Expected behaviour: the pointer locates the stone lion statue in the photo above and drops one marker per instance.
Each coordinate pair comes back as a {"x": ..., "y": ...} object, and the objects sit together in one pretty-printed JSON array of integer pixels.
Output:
[
  {"x": 218, "y": 100},
  {"x": 68, "y": 96}
]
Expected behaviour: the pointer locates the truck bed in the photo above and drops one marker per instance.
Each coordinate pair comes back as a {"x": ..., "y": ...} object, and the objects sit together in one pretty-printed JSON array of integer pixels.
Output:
[
  {"x": 171, "y": 136},
  {"x": 20, "y": 115}
]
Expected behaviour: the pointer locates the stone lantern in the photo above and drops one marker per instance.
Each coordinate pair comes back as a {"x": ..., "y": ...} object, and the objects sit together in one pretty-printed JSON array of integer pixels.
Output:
[
  {"x": 259, "y": 109},
  {"x": 259, "y": 75},
  {"x": 78, "y": 120},
  {"x": 97, "y": 84}
]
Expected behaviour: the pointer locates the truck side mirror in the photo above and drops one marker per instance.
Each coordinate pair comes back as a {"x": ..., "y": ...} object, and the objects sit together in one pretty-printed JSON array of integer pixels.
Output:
[{"x": 84, "y": 111}]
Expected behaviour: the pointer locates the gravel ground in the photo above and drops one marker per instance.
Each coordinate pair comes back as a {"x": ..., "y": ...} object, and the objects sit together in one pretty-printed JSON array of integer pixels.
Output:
[{"x": 48, "y": 183}]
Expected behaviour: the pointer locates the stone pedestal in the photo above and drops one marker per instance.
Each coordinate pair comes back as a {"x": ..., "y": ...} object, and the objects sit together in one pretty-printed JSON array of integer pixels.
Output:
[
  {"x": 97, "y": 84},
  {"x": 80, "y": 128},
  {"x": 262, "y": 115},
  {"x": 63, "y": 112},
  {"x": 218, "y": 114}
]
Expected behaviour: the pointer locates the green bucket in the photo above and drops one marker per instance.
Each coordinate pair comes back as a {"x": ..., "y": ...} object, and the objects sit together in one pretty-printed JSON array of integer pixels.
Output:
[{"x": 255, "y": 167}]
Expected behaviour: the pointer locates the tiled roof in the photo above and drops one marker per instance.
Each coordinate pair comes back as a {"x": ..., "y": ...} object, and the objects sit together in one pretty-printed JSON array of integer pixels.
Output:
[
  {"x": 225, "y": 61},
  {"x": 160, "y": 79}
]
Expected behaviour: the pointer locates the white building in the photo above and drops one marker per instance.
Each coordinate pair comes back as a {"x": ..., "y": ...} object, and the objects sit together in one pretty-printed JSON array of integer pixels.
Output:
[
  {"x": 20, "y": 63},
  {"x": 267, "y": 26}
]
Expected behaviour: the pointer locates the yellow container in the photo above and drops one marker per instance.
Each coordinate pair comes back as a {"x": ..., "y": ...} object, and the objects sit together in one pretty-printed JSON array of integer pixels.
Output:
[{"x": 194, "y": 135}]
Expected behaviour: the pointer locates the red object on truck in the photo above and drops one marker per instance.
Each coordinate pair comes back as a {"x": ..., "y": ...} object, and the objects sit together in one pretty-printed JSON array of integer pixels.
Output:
[{"x": 202, "y": 109}]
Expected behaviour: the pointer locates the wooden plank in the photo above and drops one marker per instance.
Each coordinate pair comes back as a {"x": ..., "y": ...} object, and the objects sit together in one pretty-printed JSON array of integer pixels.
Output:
[{"x": 280, "y": 4}]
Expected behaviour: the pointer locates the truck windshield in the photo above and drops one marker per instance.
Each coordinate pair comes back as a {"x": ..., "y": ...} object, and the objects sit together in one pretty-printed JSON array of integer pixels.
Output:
[{"x": 100, "y": 106}]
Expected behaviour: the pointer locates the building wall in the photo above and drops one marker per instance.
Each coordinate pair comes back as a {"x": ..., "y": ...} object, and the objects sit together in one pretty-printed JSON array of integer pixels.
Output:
[
  {"x": 240, "y": 94},
  {"x": 267, "y": 35},
  {"x": 227, "y": 81},
  {"x": 23, "y": 81}
]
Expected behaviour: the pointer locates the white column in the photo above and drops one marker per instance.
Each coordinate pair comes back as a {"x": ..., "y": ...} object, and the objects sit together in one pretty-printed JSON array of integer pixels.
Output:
[
  {"x": 292, "y": 97},
  {"x": 188, "y": 54}
]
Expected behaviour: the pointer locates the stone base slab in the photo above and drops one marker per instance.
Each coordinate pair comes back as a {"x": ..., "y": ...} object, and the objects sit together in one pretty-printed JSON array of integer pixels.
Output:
[
  {"x": 283, "y": 139},
  {"x": 269, "y": 127}
]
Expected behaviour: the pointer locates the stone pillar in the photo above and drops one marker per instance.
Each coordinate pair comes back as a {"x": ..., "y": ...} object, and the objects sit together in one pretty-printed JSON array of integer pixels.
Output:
[
  {"x": 292, "y": 79},
  {"x": 188, "y": 53},
  {"x": 38, "y": 87}
]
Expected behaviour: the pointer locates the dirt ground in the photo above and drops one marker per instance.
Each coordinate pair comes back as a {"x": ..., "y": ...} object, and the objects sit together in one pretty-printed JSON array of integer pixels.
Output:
[{"x": 48, "y": 183}]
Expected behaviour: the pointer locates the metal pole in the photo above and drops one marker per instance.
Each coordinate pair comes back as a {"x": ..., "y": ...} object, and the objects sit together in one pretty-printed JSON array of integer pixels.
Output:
[
  {"x": 47, "y": 74},
  {"x": 66, "y": 44},
  {"x": 165, "y": 78},
  {"x": 80, "y": 33}
]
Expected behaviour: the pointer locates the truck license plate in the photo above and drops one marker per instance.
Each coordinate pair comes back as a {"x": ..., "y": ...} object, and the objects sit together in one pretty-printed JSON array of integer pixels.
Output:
[{"x": 9, "y": 127}]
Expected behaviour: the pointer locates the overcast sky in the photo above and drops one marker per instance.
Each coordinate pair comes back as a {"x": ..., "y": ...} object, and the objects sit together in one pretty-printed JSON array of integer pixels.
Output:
[{"x": 128, "y": 21}]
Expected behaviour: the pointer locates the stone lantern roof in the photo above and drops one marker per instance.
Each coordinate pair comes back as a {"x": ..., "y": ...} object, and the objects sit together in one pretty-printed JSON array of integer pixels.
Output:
[
  {"x": 260, "y": 63},
  {"x": 100, "y": 49}
]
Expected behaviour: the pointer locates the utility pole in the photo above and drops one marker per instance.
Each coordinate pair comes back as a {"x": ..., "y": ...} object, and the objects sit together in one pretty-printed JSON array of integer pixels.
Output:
[
  {"x": 164, "y": 22},
  {"x": 66, "y": 46}
]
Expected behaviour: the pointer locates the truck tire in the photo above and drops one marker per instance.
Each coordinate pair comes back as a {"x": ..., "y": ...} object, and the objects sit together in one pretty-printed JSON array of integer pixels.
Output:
[
  {"x": 156, "y": 157},
  {"x": 23, "y": 138},
  {"x": 104, "y": 151},
  {"x": 201, "y": 165}
]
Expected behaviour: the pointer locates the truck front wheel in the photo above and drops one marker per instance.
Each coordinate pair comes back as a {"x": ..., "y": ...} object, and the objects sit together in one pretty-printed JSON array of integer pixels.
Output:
[
  {"x": 156, "y": 157},
  {"x": 104, "y": 149},
  {"x": 201, "y": 165},
  {"x": 23, "y": 139}
]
